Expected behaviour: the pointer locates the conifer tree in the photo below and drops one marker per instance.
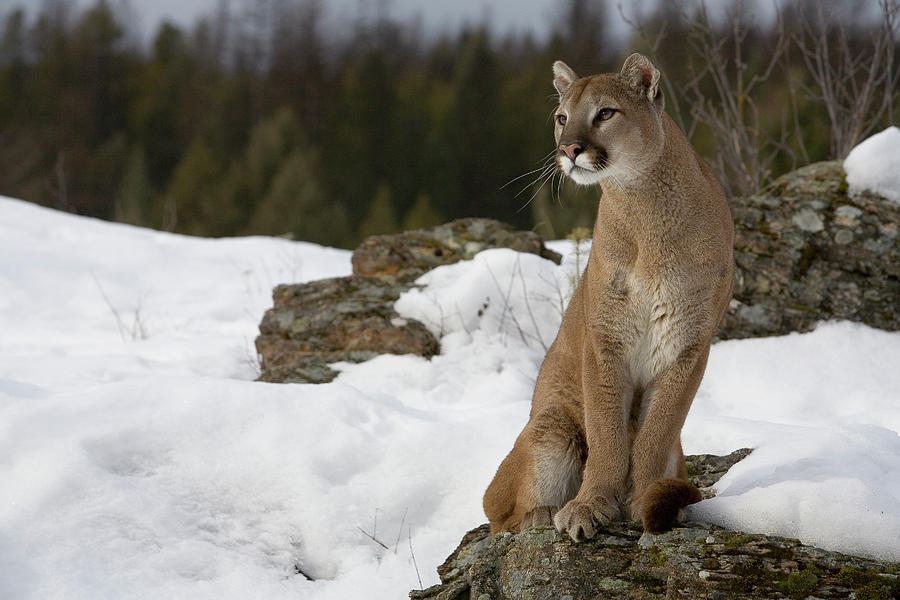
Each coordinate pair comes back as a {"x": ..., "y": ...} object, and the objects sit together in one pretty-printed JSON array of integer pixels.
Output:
[
  {"x": 421, "y": 214},
  {"x": 295, "y": 204},
  {"x": 135, "y": 193},
  {"x": 194, "y": 193},
  {"x": 381, "y": 217}
]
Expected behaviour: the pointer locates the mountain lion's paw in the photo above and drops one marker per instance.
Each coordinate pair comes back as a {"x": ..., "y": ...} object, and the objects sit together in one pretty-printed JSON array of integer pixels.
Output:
[
  {"x": 582, "y": 520},
  {"x": 542, "y": 516}
]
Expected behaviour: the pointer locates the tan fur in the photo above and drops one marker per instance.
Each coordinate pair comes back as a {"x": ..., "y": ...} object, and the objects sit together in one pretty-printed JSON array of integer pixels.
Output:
[{"x": 603, "y": 438}]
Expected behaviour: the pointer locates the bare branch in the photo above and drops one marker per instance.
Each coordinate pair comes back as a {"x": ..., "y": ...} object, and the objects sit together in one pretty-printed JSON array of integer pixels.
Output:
[
  {"x": 854, "y": 78},
  {"x": 372, "y": 537},
  {"x": 400, "y": 531},
  {"x": 413, "y": 555},
  {"x": 724, "y": 92}
]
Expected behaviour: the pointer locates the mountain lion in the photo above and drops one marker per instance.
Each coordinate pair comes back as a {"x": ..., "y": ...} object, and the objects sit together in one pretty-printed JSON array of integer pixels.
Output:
[{"x": 603, "y": 437}]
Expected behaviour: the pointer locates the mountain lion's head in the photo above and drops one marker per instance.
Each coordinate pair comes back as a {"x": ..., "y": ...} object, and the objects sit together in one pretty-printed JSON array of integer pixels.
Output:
[{"x": 610, "y": 125}]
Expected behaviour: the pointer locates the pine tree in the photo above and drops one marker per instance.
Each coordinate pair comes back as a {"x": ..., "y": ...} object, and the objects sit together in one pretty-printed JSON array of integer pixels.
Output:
[
  {"x": 12, "y": 64},
  {"x": 273, "y": 139},
  {"x": 193, "y": 191},
  {"x": 421, "y": 214},
  {"x": 295, "y": 204},
  {"x": 381, "y": 217},
  {"x": 363, "y": 132},
  {"x": 157, "y": 117},
  {"x": 473, "y": 130},
  {"x": 135, "y": 194}
]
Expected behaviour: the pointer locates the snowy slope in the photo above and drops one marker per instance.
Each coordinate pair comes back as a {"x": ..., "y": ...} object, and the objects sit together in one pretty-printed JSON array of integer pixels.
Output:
[{"x": 146, "y": 463}]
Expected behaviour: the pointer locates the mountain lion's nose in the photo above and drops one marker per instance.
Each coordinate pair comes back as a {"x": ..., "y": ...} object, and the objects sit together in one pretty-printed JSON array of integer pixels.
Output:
[{"x": 572, "y": 150}]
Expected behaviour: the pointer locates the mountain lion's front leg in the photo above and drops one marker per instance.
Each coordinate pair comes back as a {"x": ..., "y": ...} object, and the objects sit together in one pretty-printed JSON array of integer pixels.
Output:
[
  {"x": 656, "y": 445},
  {"x": 606, "y": 467}
]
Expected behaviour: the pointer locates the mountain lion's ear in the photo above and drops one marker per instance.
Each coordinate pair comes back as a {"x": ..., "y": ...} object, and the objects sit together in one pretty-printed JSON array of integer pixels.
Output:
[
  {"x": 563, "y": 76},
  {"x": 643, "y": 76}
]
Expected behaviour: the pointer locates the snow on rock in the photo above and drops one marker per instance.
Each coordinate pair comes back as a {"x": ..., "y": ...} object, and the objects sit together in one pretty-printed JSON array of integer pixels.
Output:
[
  {"x": 140, "y": 465},
  {"x": 823, "y": 412},
  {"x": 874, "y": 165},
  {"x": 520, "y": 297},
  {"x": 836, "y": 487}
]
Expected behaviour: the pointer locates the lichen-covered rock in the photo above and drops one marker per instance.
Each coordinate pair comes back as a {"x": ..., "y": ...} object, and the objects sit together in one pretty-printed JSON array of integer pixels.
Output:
[
  {"x": 706, "y": 469},
  {"x": 806, "y": 251},
  {"x": 406, "y": 256},
  {"x": 688, "y": 563},
  {"x": 352, "y": 318},
  {"x": 330, "y": 320}
]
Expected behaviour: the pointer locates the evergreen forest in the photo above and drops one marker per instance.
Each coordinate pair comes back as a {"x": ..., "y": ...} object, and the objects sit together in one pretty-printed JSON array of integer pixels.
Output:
[{"x": 264, "y": 117}]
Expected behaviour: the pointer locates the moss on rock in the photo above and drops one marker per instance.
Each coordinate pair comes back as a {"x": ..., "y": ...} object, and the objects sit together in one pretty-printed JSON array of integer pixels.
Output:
[{"x": 690, "y": 562}]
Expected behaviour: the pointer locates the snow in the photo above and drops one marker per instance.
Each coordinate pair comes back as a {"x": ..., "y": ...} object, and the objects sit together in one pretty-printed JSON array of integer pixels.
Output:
[
  {"x": 139, "y": 459},
  {"x": 500, "y": 292},
  {"x": 822, "y": 411},
  {"x": 874, "y": 165}
]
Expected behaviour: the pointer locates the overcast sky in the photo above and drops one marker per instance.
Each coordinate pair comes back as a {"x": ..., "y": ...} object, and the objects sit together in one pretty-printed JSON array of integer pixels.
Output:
[{"x": 437, "y": 15}]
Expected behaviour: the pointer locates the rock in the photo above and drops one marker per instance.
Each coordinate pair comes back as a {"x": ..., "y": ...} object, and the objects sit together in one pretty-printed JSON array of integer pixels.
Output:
[
  {"x": 352, "y": 318},
  {"x": 706, "y": 469},
  {"x": 341, "y": 319},
  {"x": 806, "y": 251},
  {"x": 687, "y": 563},
  {"x": 695, "y": 561},
  {"x": 406, "y": 256}
]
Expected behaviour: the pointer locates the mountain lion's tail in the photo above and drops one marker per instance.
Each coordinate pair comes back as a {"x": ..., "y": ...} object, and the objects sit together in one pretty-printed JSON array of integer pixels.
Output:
[{"x": 662, "y": 501}]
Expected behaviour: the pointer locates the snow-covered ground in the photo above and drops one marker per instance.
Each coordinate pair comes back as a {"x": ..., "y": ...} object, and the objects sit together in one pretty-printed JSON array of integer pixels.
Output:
[{"x": 138, "y": 459}]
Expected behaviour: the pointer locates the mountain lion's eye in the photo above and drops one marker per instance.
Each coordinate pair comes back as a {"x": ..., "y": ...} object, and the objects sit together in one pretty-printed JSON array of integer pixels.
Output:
[
  {"x": 604, "y": 114},
  {"x": 561, "y": 119}
]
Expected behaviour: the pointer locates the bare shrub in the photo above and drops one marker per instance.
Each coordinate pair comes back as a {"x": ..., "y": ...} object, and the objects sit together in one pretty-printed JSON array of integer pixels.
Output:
[
  {"x": 853, "y": 70},
  {"x": 729, "y": 76},
  {"x": 134, "y": 331},
  {"x": 721, "y": 92}
]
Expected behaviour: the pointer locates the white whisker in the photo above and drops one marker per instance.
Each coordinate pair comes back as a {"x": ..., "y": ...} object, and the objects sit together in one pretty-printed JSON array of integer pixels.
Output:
[
  {"x": 522, "y": 175},
  {"x": 545, "y": 172},
  {"x": 537, "y": 191}
]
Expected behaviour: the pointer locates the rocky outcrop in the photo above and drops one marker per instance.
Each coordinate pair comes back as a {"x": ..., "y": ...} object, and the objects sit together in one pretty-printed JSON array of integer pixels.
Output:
[
  {"x": 806, "y": 251},
  {"x": 330, "y": 320},
  {"x": 688, "y": 563},
  {"x": 352, "y": 318},
  {"x": 406, "y": 256}
]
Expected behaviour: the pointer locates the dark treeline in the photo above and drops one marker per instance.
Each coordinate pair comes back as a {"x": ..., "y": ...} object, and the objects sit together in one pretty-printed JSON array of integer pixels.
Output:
[{"x": 260, "y": 119}]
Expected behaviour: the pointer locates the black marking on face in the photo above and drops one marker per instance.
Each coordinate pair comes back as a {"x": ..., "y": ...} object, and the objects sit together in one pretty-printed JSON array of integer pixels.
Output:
[{"x": 601, "y": 161}]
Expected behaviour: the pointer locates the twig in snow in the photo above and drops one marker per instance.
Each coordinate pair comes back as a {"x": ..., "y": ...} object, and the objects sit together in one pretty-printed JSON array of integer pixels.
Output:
[
  {"x": 138, "y": 331},
  {"x": 400, "y": 531},
  {"x": 111, "y": 307},
  {"x": 534, "y": 321},
  {"x": 299, "y": 571},
  {"x": 372, "y": 537},
  {"x": 413, "y": 555},
  {"x": 508, "y": 309}
]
